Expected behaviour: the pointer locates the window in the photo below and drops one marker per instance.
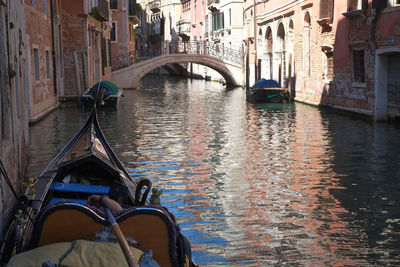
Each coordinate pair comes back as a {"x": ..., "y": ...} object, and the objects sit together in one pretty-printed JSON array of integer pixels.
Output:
[
  {"x": 307, "y": 46},
  {"x": 103, "y": 54},
  {"x": 358, "y": 66},
  {"x": 36, "y": 62},
  {"x": 230, "y": 17},
  {"x": 357, "y": 4},
  {"x": 132, "y": 7},
  {"x": 394, "y": 2},
  {"x": 113, "y": 4},
  {"x": 326, "y": 9},
  {"x": 113, "y": 36},
  {"x": 33, "y": 3},
  {"x": 47, "y": 64},
  {"x": 45, "y": 7},
  {"x": 327, "y": 59},
  {"x": 218, "y": 21}
]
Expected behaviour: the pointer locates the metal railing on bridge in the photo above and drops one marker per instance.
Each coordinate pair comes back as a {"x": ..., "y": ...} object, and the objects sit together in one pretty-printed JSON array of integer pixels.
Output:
[{"x": 191, "y": 47}]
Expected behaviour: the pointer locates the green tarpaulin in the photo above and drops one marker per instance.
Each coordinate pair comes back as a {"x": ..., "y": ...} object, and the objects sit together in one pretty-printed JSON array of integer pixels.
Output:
[{"x": 112, "y": 89}]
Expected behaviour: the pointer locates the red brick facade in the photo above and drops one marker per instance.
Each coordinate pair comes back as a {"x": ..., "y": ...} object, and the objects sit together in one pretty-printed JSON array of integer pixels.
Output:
[
  {"x": 85, "y": 48},
  {"x": 39, "y": 39},
  {"x": 326, "y": 52}
]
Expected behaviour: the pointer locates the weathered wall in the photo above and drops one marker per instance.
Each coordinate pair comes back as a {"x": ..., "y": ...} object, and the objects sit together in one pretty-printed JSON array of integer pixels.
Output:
[
  {"x": 82, "y": 34},
  {"x": 13, "y": 102},
  {"x": 38, "y": 31}
]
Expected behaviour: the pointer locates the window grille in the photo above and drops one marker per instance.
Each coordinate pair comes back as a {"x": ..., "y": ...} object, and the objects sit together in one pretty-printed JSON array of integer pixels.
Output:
[
  {"x": 113, "y": 35},
  {"x": 113, "y": 4},
  {"x": 358, "y": 66},
  {"x": 36, "y": 62}
]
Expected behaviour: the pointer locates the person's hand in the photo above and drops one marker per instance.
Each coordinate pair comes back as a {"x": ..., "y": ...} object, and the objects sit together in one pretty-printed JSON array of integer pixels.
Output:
[{"x": 94, "y": 200}]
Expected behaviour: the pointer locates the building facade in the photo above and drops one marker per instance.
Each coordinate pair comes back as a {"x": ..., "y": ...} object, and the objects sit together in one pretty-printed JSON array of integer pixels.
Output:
[
  {"x": 367, "y": 73},
  {"x": 123, "y": 33},
  {"x": 44, "y": 57},
  {"x": 341, "y": 54},
  {"x": 224, "y": 23},
  {"x": 86, "y": 28}
]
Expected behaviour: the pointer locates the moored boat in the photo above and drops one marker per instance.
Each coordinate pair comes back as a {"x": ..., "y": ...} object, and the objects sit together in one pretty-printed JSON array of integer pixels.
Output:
[
  {"x": 104, "y": 93},
  {"x": 59, "y": 217},
  {"x": 267, "y": 91}
]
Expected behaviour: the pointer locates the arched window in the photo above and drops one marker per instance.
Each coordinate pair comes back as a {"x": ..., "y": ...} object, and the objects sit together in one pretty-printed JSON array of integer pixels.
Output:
[
  {"x": 281, "y": 38},
  {"x": 259, "y": 41},
  {"x": 269, "y": 47},
  {"x": 282, "y": 49},
  {"x": 307, "y": 45}
]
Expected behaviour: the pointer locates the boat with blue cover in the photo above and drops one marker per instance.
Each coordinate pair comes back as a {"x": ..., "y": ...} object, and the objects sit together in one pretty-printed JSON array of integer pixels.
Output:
[
  {"x": 267, "y": 91},
  {"x": 58, "y": 218}
]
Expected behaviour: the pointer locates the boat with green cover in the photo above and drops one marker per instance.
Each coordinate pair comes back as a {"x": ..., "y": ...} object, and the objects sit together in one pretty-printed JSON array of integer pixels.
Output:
[{"x": 104, "y": 93}]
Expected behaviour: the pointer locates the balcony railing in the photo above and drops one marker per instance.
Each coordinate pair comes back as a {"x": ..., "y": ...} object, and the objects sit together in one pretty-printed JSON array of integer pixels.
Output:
[
  {"x": 155, "y": 6},
  {"x": 100, "y": 12},
  {"x": 192, "y": 47}
]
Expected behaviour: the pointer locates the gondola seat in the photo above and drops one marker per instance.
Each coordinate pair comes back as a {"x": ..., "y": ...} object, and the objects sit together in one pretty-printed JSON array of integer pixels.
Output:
[
  {"x": 152, "y": 227},
  {"x": 64, "y": 222}
]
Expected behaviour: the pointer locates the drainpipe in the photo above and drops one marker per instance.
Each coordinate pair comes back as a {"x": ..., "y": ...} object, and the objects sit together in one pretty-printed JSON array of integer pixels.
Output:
[
  {"x": 53, "y": 52},
  {"x": 375, "y": 12},
  {"x": 255, "y": 44}
]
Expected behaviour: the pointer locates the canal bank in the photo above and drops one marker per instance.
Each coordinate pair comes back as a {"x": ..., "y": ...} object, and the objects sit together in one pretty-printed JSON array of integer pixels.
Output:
[{"x": 252, "y": 185}]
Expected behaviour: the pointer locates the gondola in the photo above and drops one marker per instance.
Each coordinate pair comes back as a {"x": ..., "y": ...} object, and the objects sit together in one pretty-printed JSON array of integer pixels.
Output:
[{"x": 58, "y": 213}]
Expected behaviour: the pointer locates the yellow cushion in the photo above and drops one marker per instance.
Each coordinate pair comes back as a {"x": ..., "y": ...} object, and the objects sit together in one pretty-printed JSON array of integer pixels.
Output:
[{"x": 85, "y": 253}]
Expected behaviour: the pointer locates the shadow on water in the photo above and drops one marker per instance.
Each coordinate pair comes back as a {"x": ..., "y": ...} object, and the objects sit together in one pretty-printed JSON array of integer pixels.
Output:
[{"x": 253, "y": 185}]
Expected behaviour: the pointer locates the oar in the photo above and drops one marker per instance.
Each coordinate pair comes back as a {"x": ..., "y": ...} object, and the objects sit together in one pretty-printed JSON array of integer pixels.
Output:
[{"x": 130, "y": 259}]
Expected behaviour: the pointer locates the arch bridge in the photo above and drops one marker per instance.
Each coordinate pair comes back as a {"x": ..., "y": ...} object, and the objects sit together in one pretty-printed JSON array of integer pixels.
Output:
[{"x": 226, "y": 61}]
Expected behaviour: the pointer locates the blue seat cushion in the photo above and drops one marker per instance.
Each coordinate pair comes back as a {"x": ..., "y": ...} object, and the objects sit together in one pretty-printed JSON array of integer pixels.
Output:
[
  {"x": 60, "y": 199},
  {"x": 80, "y": 188}
]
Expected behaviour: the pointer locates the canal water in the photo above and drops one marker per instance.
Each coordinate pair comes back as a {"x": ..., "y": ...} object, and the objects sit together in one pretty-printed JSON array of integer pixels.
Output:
[{"x": 253, "y": 185}]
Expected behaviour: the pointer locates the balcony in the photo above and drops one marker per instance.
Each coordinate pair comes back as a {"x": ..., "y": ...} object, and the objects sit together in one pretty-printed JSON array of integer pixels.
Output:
[
  {"x": 155, "y": 6},
  {"x": 100, "y": 12},
  {"x": 183, "y": 28},
  {"x": 213, "y": 5}
]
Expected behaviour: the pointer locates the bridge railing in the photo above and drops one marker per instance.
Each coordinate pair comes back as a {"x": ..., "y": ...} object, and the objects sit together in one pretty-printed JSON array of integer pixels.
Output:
[
  {"x": 164, "y": 48},
  {"x": 207, "y": 48}
]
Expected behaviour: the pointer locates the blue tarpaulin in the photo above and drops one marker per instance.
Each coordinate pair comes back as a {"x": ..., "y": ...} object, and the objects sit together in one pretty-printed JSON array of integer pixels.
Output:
[{"x": 263, "y": 83}]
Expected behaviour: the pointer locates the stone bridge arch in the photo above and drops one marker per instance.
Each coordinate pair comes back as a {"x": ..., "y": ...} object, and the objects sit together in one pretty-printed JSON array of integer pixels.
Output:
[{"x": 130, "y": 76}]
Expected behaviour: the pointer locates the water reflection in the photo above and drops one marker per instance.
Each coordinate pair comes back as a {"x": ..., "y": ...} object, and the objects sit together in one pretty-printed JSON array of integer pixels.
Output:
[{"x": 253, "y": 185}]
